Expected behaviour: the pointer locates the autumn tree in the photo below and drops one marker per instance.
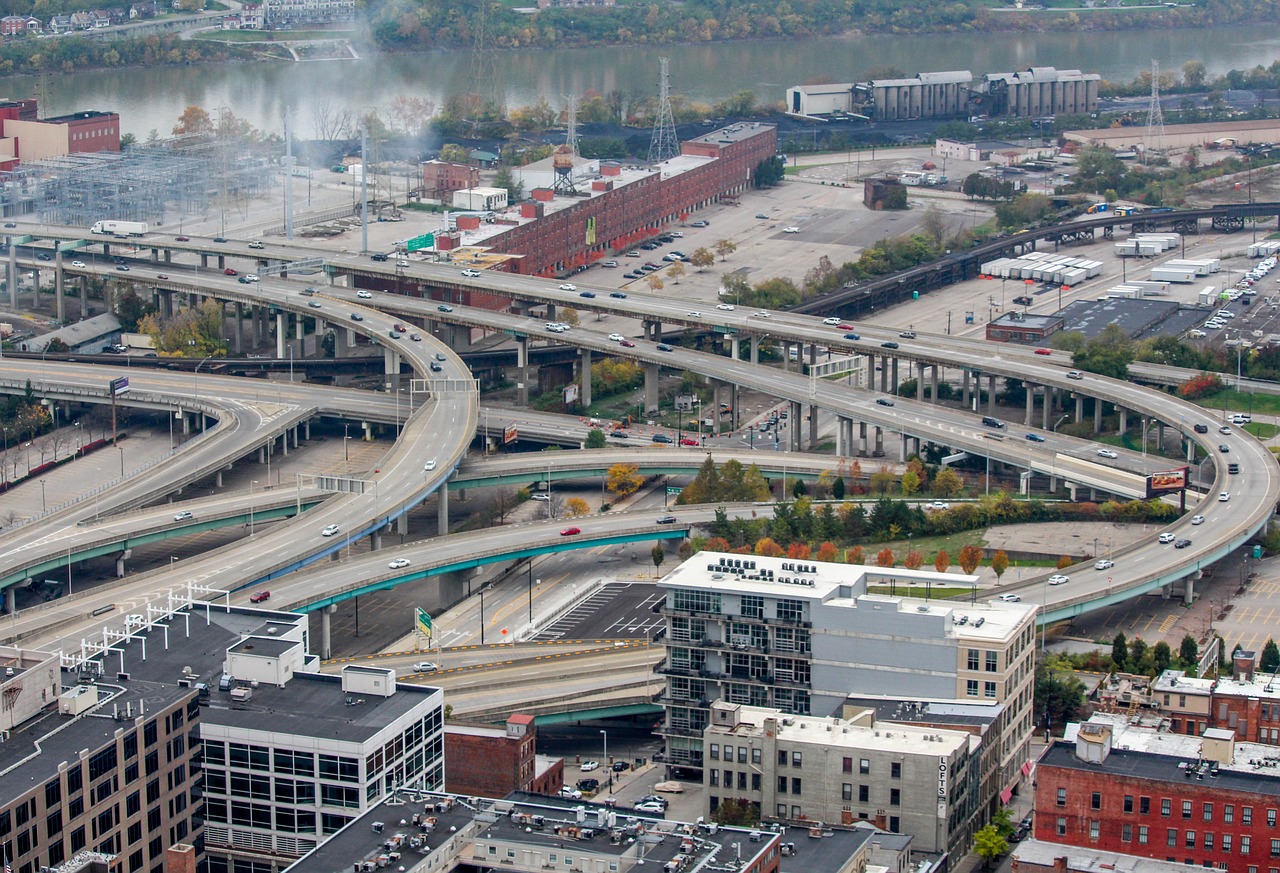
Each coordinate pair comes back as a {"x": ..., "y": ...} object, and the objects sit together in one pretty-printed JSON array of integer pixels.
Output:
[
  {"x": 941, "y": 561},
  {"x": 654, "y": 281},
  {"x": 910, "y": 483},
  {"x": 884, "y": 557},
  {"x": 856, "y": 555},
  {"x": 577, "y": 506},
  {"x": 999, "y": 563},
  {"x": 947, "y": 483},
  {"x": 766, "y": 547},
  {"x": 657, "y": 555},
  {"x": 702, "y": 258},
  {"x": 1064, "y": 562},
  {"x": 453, "y": 153},
  {"x": 827, "y": 552},
  {"x": 914, "y": 560},
  {"x": 193, "y": 121},
  {"x": 798, "y": 551},
  {"x": 725, "y": 247},
  {"x": 624, "y": 479},
  {"x": 970, "y": 558},
  {"x": 675, "y": 271}
]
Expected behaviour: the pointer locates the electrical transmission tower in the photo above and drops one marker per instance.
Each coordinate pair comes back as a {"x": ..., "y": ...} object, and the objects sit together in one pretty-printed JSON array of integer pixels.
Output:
[
  {"x": 486, "y": 80},
  {"x": 1153, "y": 141},
  {"x": 571, "y": 137},
  {"x": 664, "y": 145}
]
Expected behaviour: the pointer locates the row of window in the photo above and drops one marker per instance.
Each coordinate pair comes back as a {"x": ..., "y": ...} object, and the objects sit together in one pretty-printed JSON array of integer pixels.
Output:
[{"x": 1187, "y": 808}]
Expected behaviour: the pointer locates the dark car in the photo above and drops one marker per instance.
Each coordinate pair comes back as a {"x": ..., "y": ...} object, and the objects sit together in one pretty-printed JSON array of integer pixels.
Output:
[
  {"x": 355, "y": 316},
  {"x": 852, "y": 336},
  {"x": 1224, "y": 448},
  {"x": 586, "y": 294},
  {"x": 230, "y": 272},
  {"x": 259, "y": 596},
  {"x": 666, "y": 519},
  {"x": 219, "y": 239},
  {"x": 44, "y": 257},
  {"x": 1035, "y": 437},
  {"x": 619, "y": 766},
  {"x": 618, "y": 294},
  {"x": 1181, "y": 544},
  {"x": 588, "y": 784},
  {"x": 1202, "y": 428},
  {"x": 182, "y": 239},
  {"x": 378, "y": 256},
  {"x": 662, "y": 438},
  {"x": 888, "y": 345},
  {"x": 663, "y": 347},
  {"x": 619, "y": 434},
  {"x": 1022, "y": 301},
  {"x": 122, "y": 268},
  {"x": 884, "y": 401}
]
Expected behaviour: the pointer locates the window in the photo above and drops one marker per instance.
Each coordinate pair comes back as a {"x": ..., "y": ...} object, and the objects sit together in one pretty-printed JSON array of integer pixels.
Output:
[
  {"x": 755, "y": 756},
  {"x": 1165, "y": 807},
  {"x": 782, "y": 758},
  {"x": 846, "y": 765},
  {"x": 895, "y": 797},
  {"x": 895, "y": 770},
  {"x": 971, "y": 687},
  {"x": 1244, "y": 844},
  {"x": 1171, "y": 838},
  {"x": 1186, "y": 809},
  {"x": 1246, "y": 815},
  {"x": 989, "y": 689},
  {"x": 782, "y": 784},
  {"x": 715, "y": 777},
  {"x": 1142, "y": 834},
  {"x": 846, "y": 791},
  {"x": 864, "y": 765},
  {"x": 715, "y": 752},
  {"x": 755, "y": 781},
  {"x": 1062, "y": 827},
  {"x": 1128, "y": 803},
  {"x": 797, "y": 759},
  {"x": 791, "y": 610},
  {"x": 864, "y": 794},
  {"x": 1208, "y": 812},
  {"x": 1144, "y": 805},
  {"x": 1095, "y": 801},
  {"x": 973, "y": 659},
  {"x": 1062, "y": 797},
  {"x": 1094, "y": 828},
  {"x": 1126, "y": 832},
  {"x": 993, "y": 661},
  {"x": 1271, "y": 818},
  {"x": 1227, "y": 840},
  {"x": 782, "y": 810},
  {"x": 1275, "y": 848},
  {"x": 728, "y": 753},
  {"x": 1228, "y": 813},
  {"x": 752, "y": 606},
  {"x": 52, "y": 793},
  {"x": 742, "y": 754},
  {"x": 1208, "y": 842},
  {"x": 795, "y": 785}
]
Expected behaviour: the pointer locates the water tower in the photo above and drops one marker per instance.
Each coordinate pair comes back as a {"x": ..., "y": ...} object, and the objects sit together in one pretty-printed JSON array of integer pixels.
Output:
[{"x": 562, "y": 164}]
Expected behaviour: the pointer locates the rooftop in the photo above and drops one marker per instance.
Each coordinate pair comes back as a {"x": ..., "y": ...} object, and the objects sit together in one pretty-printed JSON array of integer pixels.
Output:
[
  {"x": 853, "y": 733},
  {"x": 1086, "y": 860},
  {"x": 1018, "y": 319},
  {"x": 1178, "y": 682},
  {"x": 962, "y": 714}
]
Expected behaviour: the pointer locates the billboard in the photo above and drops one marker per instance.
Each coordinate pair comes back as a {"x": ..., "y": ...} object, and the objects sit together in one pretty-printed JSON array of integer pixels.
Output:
[
  {"x": 118, "y": 386},
  {"x": 1167, "y": 481},
  {"x": 571, "y": 393},
  {"x": 510, "y": 433}
]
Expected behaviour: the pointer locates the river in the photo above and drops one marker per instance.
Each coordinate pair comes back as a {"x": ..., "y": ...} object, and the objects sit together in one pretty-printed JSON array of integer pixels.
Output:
[{"x": 260, "y": 92}]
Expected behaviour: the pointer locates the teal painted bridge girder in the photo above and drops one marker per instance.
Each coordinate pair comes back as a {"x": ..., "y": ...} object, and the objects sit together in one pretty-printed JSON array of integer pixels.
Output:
[
  {"x": 532, "y": 474},
  {"x": 578, "y": 542},
  {"x": 625, "y": 709}
]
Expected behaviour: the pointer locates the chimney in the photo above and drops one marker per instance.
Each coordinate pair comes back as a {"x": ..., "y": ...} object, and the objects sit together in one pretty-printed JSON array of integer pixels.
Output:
[
  {"x": 1060, "y": 864},
  {"x": 1242, "y": 666},
  {"x": 180, "y": 858}
]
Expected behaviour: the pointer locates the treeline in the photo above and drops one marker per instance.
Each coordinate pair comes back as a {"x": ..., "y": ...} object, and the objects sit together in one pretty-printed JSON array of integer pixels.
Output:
[{"x": 76, "y": 54}]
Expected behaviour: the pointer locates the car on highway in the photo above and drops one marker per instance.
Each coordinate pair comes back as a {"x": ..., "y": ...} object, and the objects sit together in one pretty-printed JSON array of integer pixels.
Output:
[
  {"x": 663, "y": 347},
  {"x": 831, "y": 321},
  {"x": 1224, "y": 429},
  {"x": 77, "y": 263},
  {"x": 429, "y": 465},
  {"x": 183, "y": 516},
  {"x": 588, "y": 766},
  {"x": 1009, "y": 598},
  {"x": 230, "y": 271},
  {"x": 471, "y": 274},
  {"x": 1075, "y": 374},
  {"x": 1035, "y": 437},
  {"x": 700, "y": 223},
  {"x": 619, "y": 434},
  {"x": 329, "y": 530},
  {"x": 568, "y": 286},
  {"x": 1059, "y": 579},
  {"x": 315, "y": 304},
  {"x": 650, "y": 808},
  {"x": 444, "y": 307},
  {"x": 1181, "y": 544},
  {"x": 426, "y": 667},
  {"x": 587, "y": 294},
  {"x": 1197, "y": 519},
  {"x": 627, "y": 344},
  {"x": 355, "y": 316},
  {"x": 1201, "y": 428},
  {"x": 570, "y": 793},
  {"x": 219, "y": 239},
  {"x": 436, "y": 368},
  {"x": 365, "y": 295},
  {"x": 889, "y": 345},
  {"x": 398, "y": 564},
  {"x": 182, "y": 239},
  {"x": 688, "y": 441},
  {"x": 619, "y": 295},
  {"x": 693, "y": 313},
  {"x": 540, "y": 496},
  {"x": 665, "y": 519},
  {"x": 908, "y": 334},
  {"x": 570, "y": 531},
  {"x": 1044, "y": 351},
  {"x": 884, "y": 401},
  {"x": 938, "y": 504},
  {"x": 662, "y": 438},
  {"x": 161, "y": 276},
  {"x": 378, "y": 256},
  {"x": 791, "y": 229},
  {"x": 42, "y": 256},
  {"x": 243, "y": 280},
  {"x": 725, "y": 307},
  {"x": 1224, "y": 448},
  {"x": 616, "y": 337},
  {"x": 760, "y": 314},
  {"x": 1104, "y": 564},
  {"x": 852, "y": 336},
  {"x": 1168, "y": 537},
  {"x": 416, "y": 337},
  {"x": 1224, "y": 496},
  {"x": 260, "y": 596},
  {"x": 1106, "y": 453},
  {"x": 123, "y": 268},
  {"x": 762, "y": 215}
]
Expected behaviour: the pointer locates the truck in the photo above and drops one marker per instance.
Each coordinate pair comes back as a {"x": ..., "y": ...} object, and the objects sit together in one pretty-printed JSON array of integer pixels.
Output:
[{"x": 131, "y": 228}]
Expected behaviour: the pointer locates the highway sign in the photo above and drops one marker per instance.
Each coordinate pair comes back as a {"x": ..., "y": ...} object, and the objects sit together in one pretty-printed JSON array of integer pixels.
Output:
[
  {"x": 426, "y": 241},
  {"x": 674, "y": 489},
  {"x": 422, "y": 622},
  {"x": 119, "y": 386}
]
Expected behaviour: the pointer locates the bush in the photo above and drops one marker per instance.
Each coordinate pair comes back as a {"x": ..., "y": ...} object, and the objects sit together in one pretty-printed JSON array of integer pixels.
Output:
[{"x": 1200, "y": 386}]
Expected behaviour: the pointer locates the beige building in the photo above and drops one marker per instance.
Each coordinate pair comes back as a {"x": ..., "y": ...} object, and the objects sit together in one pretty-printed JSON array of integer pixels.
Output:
[{"x": 1180, "y": 137}]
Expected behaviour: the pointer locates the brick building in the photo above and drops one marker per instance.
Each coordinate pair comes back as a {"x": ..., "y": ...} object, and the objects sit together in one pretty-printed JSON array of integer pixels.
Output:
[
  {"x": 441, "y": 178},
  {"x": 1203, "y": 801},
  {"x": 1024, "y": 328},
  {"x": 493, "y": 762}
]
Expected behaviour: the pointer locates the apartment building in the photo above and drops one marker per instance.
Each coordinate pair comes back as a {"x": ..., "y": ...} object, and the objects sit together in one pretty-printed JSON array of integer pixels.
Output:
[
  {"x": 804, "y": 769},
  {"x": 802, "y": 636},
  {"x": 94, "y": 760}
]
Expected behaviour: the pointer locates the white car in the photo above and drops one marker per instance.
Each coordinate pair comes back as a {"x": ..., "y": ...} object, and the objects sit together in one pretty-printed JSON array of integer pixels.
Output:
[
  {"x": 1104, "y": 564},
  {"x": 650, "y": 807},
  {"x": 329, "y": 531},
  {"x": 792, "y": 229},
  {"x": 939, "y": 504},
  {"x": 1197, "y": 519},
  {"x": 1167, "y": 537},
  {"x": 588, "y": 766},
  {"x": 399, "y": 563},
  {"x": 1009, "y": 598},
  {"x": 1224, "y": 496},
  {"x": 831, "y": 321},
  {"x": 77, "y": 263},
  {"x": 616, "y": 337},
  {"x": 425, "y": 667},
  {"x": 365, "y": 295},
  {"x": 725, "y": 307},
  {"x": 568, "y": 286},
  {"x": 183, "y": 516},
  {"x": 540, "y": 496},
  {"x": 429, "y": 466},
  {"x": 1107, "y": 453},
  {"x": 471, "y": 274},
  {"x": 1059, "y": 579},
  {"x": 251, "y": 277},
  {"x": 693, "y": 313},
  {"x": 570, "y": 793},
  {"x": 760, "y": 314}
]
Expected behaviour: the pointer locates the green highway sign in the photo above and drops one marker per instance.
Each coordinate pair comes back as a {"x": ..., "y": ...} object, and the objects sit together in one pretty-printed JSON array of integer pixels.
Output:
[
  {"x": 426, "y": 241},
  {"x": 673, "y": 489}
]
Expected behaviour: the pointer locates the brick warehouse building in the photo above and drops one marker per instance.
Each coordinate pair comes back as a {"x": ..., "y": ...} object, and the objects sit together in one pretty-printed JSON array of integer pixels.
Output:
[
  {"x": 618, "y": 206},
  {"x": 1204, "y": 801},
  {"x": 495, "y": 761}
]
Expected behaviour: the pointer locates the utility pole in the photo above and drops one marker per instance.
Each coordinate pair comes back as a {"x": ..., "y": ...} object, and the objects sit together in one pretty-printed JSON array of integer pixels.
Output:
[{"x": 364, "y": 191}]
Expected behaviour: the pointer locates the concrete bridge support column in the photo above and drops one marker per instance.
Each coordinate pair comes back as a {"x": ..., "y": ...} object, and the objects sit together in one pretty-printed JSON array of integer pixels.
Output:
[
  {"x": 1165, "y": 591},
  {"x": 1124, "y": 419},
  {"x": 919, "y": 380},
  {"x": 933, "y": 383},
  {"x": 1097, "y": 416},
  {"x": 60, "y": 302},
  {"x": 964, "y": 388},
  {"x": 367, "y": 430},
  {"x": 326, "y": 630},
  {"x": 391, "y": 368},
  {"x": 375, "y": 540},
  {"x": 217, "y": 479},
  {"x": 1050, "y": 395},
  {"x": 902, "y": 448},
  {"x": 1189, "y": 590},
  {"x": 842, "y": 441},
  {"x": 755, "y": 350},
  {"x": 1079, "y": 408},
  {"x": 522, "y": 368},
  {"x": 879, "y": 442},
  {"x": 222, "y": 262},
  {"x": 10, "y": 600},
  {"x": 239, "y": 322},
  {"x": 1031, "y": 402},
  {"x": 351, "y": 338},
  {"x": 991, "y": 394},
  {"x": 204, "y": 260},
  {"x": 651, "y": 372},
  {"x": 1191, "y": 451},
  {"x": 862, "y": 439},
  {"x": 585, "y": 370},
  {"x": 35, "y": 289},
  {"x": 13, "y": 304},
  {"x": 120, "y": 559},
  {"x": 894, "y": 383},
  {"x": 796, "y": 430},
  {"x": 84, "y": 296},
  {"x": 884, "y": 374},
  {"x": 1071, "y": 490},
  {"x": 442, "y": 510},
  {"x": 735, "y": 348},
  {"x": 813, "y": 426},
  {"x": 282, "y": 333}
]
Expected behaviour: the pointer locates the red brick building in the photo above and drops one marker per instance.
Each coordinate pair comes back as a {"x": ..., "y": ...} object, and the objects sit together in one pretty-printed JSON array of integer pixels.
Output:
[
  {"x": 493, "y": 762},
  {"x": 1198, "y": 801},
  {"x": 441, "y": 178}
]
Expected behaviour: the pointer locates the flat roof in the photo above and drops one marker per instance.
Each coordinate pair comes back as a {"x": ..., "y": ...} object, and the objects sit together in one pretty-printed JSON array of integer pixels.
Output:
[
  {"x": 739, "y": 132},
  {"x": 904, "y": 739},
  {"x": 1026, "y": 319},
  {"x": 934, "y": 712},
  {"x": 263, "y": 647},
  {"x": 1134, "y": 316},
  {"x": 1082, "y": 859}
]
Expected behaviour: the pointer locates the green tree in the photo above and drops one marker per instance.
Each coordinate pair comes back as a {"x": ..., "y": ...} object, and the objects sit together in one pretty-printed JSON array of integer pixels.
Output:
[
  {"x": 595, "y": 439},
  {"x": 506, "y": 181},
  {"x": 738, "y": 812},
  {"x": 1002, "y": 820},
  {"x": 947, "y": 483},
  {"x": 910, "y": 483},
  {"x": 1189, "y": 651},
  {"x": 1161, "y": 656},
  {"x": 1138, "y": 651},
  {"x": 1120, "y": 651},
  {"x": 1107, "y": 354},
  {"x": 1059, "y": 695},
  {"x": 837, "y": 488},
  {"x": 989, "y": 845},
  {"x": 657, "y": 555},
  {"x": 1270, "y": 660},
  {"x": 454, "y": 153}
]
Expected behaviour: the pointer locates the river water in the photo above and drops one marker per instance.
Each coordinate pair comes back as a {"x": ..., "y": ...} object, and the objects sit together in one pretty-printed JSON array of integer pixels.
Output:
[{"x": 154, "y": 98}]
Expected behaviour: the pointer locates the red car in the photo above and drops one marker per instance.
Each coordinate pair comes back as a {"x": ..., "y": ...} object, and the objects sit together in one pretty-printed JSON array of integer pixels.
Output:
[
  {"x": 688, "y": 441},
  {"x": 627, "y": 344},
  {"x": 259, "y": 596},
  {"x": 229, "y": 272},
  {"x": 570, "y": 531},
  {"x": 182, "y": 238},
  {"x": 844, "y": 327},
  {"x": 401, "y": 328},
  {"x": 1043, "y": 352}
]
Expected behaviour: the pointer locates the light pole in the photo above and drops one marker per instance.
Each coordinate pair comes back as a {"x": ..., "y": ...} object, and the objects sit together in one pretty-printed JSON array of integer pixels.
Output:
[
  {"x": 251, "y": 485},
  {"x": 605, "y": 735},
  {"x": 79, "y": 439},
  {"x": 121, "y": 450},
  {"x": 345, "y": 455},
  {"x": 44, "y": 506}
]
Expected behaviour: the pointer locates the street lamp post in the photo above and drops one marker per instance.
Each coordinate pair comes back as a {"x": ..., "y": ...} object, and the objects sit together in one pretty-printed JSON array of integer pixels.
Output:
[
  {"x": 44, "y": 506},
  {"x": 345, "y": 454},
  {"x": 251, "y": 486},
  {"x": 121, "y": 450},
  {"x": 605, "y": 735}
]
